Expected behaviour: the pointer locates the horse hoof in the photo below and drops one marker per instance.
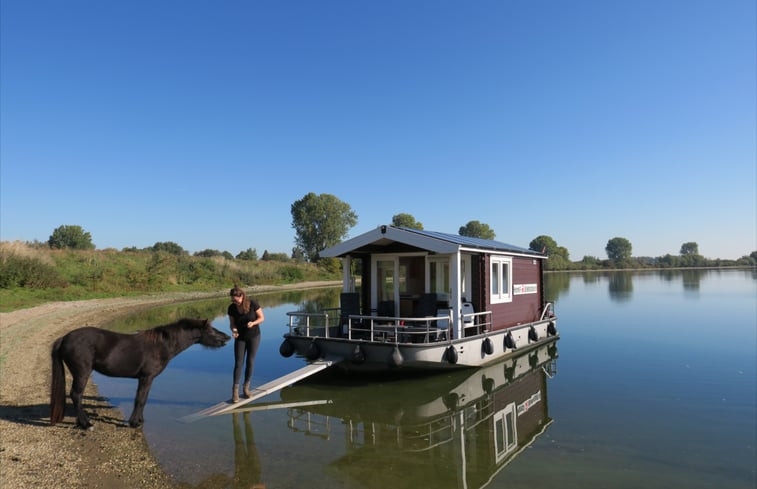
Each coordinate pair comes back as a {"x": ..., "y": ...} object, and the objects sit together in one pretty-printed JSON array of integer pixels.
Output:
[{"x": 91, "y": 428}]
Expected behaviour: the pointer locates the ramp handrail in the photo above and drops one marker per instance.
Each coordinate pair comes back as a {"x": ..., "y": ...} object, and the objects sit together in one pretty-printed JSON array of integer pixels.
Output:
[{"x": 548, "y": 309}]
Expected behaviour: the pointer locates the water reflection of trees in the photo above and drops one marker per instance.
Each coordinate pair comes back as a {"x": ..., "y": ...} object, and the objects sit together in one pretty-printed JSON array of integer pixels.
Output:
[
  {"x": 620, "y": 286},
  {"x": 691, "y": 279},
  {"x": 213, "y": 308},
  {"x": 555, "y": 284}
]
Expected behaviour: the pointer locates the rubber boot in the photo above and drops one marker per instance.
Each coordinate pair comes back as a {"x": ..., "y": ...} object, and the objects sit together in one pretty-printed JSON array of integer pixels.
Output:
[
  {"x": 247, "y": 392},
  {"x": 235, "y": 393}
]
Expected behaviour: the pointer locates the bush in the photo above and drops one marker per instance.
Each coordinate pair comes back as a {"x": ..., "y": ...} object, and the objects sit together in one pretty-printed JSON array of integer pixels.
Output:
[{"x": 22, "y": 271}]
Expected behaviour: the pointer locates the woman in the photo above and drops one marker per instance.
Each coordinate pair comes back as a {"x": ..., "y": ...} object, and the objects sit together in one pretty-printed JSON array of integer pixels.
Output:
[{"x": 245, "y": 315}]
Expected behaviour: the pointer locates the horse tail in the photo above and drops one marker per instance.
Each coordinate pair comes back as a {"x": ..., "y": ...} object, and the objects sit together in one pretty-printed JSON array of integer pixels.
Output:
[{"x": 58, "y": 386}]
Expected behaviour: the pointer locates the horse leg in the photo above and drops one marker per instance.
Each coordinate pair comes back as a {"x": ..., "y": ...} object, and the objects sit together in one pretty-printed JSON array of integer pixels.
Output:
[
  {"x": 143, "y": 389},
  {"x": 77, "y": 389}
]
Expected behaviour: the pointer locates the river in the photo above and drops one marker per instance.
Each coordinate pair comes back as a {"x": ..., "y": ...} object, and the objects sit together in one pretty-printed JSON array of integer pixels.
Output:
[{"x": 651, "y": 384}]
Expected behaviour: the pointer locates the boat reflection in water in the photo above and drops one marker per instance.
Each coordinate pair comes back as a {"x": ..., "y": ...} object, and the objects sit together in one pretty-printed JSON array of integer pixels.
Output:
[{"x": 453, "y": 430}]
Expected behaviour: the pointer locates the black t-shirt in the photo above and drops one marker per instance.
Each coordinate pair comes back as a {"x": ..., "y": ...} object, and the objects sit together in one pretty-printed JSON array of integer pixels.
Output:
[{"x": 241, "y": 319}]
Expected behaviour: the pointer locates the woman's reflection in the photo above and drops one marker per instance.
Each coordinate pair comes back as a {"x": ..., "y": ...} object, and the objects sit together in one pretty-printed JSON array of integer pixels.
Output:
[{"x": 246, "y": 460}]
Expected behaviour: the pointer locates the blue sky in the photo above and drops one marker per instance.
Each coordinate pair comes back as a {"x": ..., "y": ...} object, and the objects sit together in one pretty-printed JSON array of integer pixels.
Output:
[{"x": 201, "y": 122}]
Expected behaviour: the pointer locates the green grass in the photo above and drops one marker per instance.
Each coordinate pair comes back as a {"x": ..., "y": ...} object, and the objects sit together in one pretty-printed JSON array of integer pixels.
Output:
[{"x": 30, "y": 276}]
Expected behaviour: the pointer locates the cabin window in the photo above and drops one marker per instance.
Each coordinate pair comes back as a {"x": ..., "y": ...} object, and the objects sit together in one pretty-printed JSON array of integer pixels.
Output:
[
  {"x": 439, "y": 277},
  {"x": 505, "y": 432},
  {"x": 385, "y": 280},
  {"x": 501, "y": 279}
]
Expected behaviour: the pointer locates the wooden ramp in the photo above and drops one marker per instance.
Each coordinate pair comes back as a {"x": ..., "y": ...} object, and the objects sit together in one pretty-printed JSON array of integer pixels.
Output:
[{"x": 263, "y": 390}]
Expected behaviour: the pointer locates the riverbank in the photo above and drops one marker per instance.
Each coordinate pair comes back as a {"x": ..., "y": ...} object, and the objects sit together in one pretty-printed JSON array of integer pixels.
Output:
[{"x": 35, "y": 454}]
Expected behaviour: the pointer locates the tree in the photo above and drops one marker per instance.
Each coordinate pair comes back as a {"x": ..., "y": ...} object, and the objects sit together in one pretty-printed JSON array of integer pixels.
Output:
[
  {"x": 591, "y": 261},
  {"x": 168, "y": 247},
  {"x": 476, "y": 229},
  {"x": 71, "y": 237},
  {"x": 406, "y": 221},
  {"x": 618, "y": 249},
  {"x": 248, "y": 254},
  {"x": 690, "y": 248},
  {"x": 208, "y": 253},
  {"x": 297, "y": 255},
  {"x": 274, "y": 256},
  {"x": 558, "y": 255},
  {"x": 543, "y": 244},
  {"x": 320, "y": 221}
]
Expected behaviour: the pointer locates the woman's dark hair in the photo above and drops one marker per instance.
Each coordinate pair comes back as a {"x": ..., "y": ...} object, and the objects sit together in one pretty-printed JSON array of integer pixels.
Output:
[{"x": 245, "y": 305}]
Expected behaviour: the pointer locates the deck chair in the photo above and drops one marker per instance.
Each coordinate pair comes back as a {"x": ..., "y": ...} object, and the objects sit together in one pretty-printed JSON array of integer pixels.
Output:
[
  {"x": 349, "y": 306},
  {"x": 468, "y": 320},
  {"x": 426, "y": 306},
  {"x": 385, "y": 308},
  {"x": 442, "y": 326}
]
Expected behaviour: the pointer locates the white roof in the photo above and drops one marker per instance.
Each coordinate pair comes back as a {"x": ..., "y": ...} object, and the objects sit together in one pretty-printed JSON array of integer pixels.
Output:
[{"x": 426, "y": 240}]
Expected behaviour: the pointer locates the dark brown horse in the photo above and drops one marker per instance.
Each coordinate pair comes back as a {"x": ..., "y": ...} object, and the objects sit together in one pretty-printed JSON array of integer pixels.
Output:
[{"x": 142, "y": 356}]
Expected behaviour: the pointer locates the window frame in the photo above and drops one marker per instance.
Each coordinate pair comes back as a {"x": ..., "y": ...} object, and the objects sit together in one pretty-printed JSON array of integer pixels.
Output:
[
  {"x": 505, "y": 427},
  {"x": 501, "y": 267}
]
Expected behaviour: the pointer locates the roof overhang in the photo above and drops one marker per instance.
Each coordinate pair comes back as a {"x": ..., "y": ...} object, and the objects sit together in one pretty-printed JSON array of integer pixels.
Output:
[{"x": 384, "y": 236}]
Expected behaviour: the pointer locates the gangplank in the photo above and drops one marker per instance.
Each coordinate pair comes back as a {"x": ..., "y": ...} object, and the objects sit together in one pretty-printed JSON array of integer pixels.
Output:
[{"x": 264, "y": 390}]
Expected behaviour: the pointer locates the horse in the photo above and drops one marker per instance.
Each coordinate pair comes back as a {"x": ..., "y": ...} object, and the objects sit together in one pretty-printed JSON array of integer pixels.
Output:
[{"x": 142, "y": 355}]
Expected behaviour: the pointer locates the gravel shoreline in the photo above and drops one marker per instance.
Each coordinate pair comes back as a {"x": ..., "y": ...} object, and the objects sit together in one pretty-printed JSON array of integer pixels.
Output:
[{"x": 35, "y": 454}]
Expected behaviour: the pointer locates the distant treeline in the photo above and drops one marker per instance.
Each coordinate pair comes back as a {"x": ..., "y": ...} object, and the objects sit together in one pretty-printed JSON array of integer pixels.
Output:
[
  {"x": 667, "y": 261},
  {"x": 619, "y": 257}
]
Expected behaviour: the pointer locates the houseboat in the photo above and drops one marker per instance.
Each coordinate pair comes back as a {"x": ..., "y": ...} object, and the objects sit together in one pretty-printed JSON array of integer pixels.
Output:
[
  {"x": 416, "y": 299},
  {"x": 456, "y": 430}
]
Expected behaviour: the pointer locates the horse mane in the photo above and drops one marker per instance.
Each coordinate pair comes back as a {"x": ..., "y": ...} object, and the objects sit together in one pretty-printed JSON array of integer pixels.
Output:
[{"x": 166, "y": 331}]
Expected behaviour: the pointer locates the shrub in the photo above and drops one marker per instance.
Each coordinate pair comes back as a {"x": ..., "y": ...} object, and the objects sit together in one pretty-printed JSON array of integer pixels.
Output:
[{"x": 24, "y": 271}]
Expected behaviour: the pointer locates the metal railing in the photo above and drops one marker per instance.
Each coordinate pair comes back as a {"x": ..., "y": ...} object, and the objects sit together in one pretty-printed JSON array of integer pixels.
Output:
[
  {"x": 329, "y": 323},
  {"x": 398, "y": 329}
]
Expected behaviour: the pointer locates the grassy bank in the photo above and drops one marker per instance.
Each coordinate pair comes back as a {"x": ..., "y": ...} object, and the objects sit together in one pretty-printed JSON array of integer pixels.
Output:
[{"x": 30, "y": 276}]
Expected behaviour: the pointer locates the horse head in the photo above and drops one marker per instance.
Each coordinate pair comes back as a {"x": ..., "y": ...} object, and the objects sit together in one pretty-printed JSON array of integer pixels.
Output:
[{"x": 211, "y": 337}]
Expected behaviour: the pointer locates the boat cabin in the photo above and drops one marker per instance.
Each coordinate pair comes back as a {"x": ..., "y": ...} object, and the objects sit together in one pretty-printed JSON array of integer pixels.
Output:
[{"x": 402, "y": 274}]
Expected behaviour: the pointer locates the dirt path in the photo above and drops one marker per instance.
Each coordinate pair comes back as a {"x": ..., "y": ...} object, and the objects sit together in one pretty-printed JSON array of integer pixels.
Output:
[{"x": 35, "y": 454}]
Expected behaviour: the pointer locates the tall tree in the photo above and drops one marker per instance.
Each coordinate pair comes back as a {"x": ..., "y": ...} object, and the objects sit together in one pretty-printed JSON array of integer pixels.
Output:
[
  {"x": 320, "y": 221},
  {"x": 558, "y": 255},
  {"x": 690, "y": 248},
  {"x": 406, "y": 221},
  {"x": 476, "y": 229},
  {"x": 618, "y": 249},
  {"x": 71, "y": 237},
  {"x": 543, "y": 244}
]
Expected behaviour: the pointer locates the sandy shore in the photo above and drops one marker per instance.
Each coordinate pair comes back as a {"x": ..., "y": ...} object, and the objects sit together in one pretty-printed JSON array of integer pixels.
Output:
[{"x": 35, "y": 454}]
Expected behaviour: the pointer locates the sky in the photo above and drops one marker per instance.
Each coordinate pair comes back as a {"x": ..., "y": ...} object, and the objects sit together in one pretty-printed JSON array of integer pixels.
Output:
[{"x": 202, "y": 122}]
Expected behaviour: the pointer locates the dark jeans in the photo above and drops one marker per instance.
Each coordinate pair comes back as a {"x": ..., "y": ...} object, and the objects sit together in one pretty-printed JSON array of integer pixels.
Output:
[{"x": 245, "y": 347}]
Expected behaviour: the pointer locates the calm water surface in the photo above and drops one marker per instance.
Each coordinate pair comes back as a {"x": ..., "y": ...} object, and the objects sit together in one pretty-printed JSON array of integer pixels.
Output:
[{"x": 652, "y": 384}]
